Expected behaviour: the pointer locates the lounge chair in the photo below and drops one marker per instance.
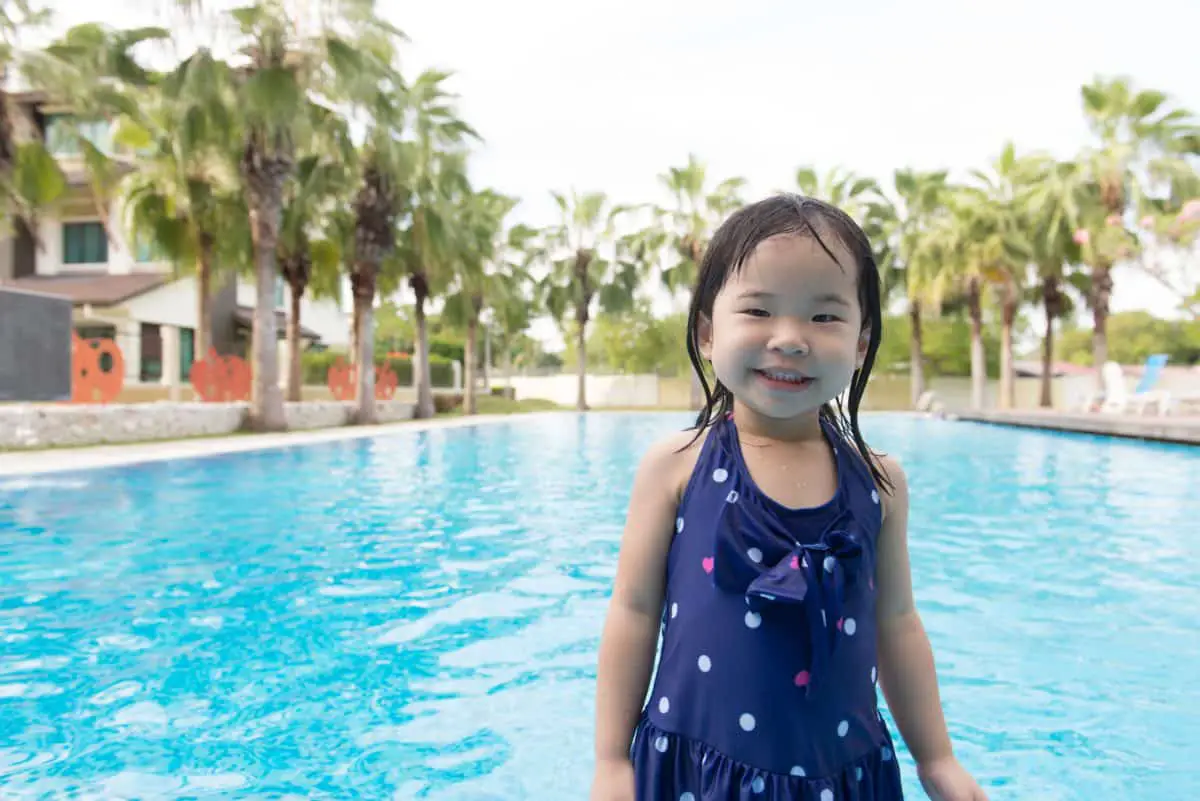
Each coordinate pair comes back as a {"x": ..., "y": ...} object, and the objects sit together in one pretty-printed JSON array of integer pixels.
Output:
[{"x": 1117, "y": 399}]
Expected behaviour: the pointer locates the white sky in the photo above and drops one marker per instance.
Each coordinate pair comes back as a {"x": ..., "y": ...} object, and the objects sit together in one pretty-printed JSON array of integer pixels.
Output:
[{"x": 606, "y": 94}]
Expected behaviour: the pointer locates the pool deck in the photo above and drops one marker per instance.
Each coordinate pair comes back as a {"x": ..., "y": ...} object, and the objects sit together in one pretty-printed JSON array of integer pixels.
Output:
[
  {"x": 57, "y": 460},
  {"x": 1178, "y": 429}
]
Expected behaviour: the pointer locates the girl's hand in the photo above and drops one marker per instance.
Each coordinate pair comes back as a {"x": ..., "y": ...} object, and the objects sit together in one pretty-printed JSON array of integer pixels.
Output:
[
  {"x": 947, "y": 780},
  {"x": 613, "y": 781}
]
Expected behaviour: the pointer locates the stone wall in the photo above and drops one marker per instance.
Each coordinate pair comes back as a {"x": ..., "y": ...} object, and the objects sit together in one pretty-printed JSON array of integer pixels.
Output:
[{"x": 52, "y": 425}]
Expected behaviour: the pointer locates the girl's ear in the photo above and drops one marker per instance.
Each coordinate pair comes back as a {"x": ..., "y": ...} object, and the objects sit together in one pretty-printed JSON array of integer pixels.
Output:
[
  {"x": 704, "y": 335},
  {"x": 864, "y": 342}
]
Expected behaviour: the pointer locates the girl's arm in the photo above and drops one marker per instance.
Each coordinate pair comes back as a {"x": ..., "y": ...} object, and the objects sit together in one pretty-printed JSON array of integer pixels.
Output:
[
  {"x": 630, "y": 638},
  {"x": 906, "y": 669}
]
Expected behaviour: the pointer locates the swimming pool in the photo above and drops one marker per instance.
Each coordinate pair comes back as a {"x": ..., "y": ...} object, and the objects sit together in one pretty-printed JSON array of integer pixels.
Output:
[{"x": 417, "y": 615}]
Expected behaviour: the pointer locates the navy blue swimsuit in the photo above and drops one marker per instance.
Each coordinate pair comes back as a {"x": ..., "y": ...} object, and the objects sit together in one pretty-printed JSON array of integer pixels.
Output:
[{"x": 766, "y": 684}]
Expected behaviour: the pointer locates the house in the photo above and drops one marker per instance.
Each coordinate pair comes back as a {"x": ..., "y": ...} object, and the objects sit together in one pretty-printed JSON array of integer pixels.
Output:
[{"x": 118, "y": 288}]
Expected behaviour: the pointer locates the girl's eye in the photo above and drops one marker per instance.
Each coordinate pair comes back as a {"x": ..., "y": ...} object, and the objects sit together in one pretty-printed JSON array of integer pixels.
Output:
[
  {"x": 826, "y": 318},
  {"x": 756, "y": 312}
]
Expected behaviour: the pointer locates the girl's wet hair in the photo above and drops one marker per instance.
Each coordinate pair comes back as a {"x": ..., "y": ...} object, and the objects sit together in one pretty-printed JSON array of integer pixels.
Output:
[{"x": 734, "y": 242}]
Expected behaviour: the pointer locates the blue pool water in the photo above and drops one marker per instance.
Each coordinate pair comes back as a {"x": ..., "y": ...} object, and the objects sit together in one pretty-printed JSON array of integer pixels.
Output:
[{"x": 417, "y": 616}]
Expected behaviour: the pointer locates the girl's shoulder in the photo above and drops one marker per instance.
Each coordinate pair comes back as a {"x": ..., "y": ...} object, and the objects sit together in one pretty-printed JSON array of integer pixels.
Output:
[{"x": 672, "y": 459}]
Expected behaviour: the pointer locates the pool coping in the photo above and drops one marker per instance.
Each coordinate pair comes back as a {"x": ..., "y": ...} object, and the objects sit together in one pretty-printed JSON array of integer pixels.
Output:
[
  {"x": 90, "y": 457},
  {"x": 1175, "y": 430}
]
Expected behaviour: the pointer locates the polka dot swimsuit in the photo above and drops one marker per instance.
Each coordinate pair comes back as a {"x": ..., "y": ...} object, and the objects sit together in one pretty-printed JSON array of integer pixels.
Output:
[{"x": 766, "y": 684}]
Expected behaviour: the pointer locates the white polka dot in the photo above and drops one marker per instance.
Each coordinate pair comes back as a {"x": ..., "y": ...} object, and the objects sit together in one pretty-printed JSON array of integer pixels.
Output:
[
  {"x": 732, "y": 497},
  {"x": 747, "y": 722},
  {"x": 875, "y": 496},
  {"x": 887, "y": 754},
  {"x": 874, "y": 675},
  {"x": 843, "y": 727},
  {"x": 797, "y": 770},
  {"x": 678, "y": 524},
  {"x": 850, "y": 626},
  {"x": 660, "y": 744},
  {"x": 829, "y": 564},
  {"x": 858, "y": 774},
  {"x": 827, "y": 794},
  {"x": 720, "y": 474},
  {"x": 674, "y": 610},
  {"x": 704, "y": 663},
  {"x": 758, "y": 785},
  {"x": 753, "y": 620},
  {"x": 664, "y": 705},
  {"x": 755, "y": 555},
  {"x": 687, "y": 797},
  {"x": 804, "y": 561}
]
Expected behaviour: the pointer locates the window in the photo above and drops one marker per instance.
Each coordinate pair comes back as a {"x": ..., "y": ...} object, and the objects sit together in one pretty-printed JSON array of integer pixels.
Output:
[
  {"x": 187, "y": 349},
  {"x": 84, "y": 243},
  {"x": 63, "y": 133}
]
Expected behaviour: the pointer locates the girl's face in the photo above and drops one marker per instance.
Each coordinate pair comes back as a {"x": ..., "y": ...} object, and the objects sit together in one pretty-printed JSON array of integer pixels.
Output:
[{"x": 786, "y": 333}]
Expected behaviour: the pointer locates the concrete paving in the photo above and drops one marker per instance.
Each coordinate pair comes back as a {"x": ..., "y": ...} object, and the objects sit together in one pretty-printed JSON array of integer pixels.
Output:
[
  {"x": 1172, "y": 428},
  {"x": 55, "y": 460}
]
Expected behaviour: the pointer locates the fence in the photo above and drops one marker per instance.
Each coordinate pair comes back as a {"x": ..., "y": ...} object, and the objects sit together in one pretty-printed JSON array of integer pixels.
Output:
[{"x": 885, "y": 392}]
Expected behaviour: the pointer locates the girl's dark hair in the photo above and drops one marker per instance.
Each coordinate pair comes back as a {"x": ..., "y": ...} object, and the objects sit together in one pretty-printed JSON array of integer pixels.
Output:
[{"x": 733, "y": 243}]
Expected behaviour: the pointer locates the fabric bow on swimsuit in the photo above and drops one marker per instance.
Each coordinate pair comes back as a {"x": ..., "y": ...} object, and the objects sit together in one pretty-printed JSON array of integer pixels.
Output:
[{"x": 760, "y": 560}]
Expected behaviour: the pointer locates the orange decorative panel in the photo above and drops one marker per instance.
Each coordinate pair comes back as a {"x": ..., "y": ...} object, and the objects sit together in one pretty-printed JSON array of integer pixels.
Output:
[
  {"x": 221, "y": 379},
  {"x": 95, "y": 379},
  {"x": 343, "y": 377}
]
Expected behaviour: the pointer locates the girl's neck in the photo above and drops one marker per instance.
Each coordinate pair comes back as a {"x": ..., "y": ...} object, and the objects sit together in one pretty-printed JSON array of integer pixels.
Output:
[{"x": 793, "y": 429}]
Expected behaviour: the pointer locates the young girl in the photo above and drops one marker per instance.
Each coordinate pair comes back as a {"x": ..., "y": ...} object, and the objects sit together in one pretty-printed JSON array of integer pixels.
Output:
[{"x": 770, "y": 547}]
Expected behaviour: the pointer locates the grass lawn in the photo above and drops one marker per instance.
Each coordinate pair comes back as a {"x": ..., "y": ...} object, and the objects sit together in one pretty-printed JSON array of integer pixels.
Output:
[{"x": 493, "y": 404}]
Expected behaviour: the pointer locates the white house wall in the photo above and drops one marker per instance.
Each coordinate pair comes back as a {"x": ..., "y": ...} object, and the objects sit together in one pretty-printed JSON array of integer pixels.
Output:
[{"x": 323, "y": 316}]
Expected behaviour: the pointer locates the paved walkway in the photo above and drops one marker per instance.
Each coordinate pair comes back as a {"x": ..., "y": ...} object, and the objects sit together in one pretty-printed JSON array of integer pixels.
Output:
[
  {"x": 25, "y": 463},
  {"x": 1183, "y": 429}
]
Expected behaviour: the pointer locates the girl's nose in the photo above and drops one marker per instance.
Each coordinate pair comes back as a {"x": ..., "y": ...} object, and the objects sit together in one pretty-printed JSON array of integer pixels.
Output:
[{"x": 790, "y": 340}]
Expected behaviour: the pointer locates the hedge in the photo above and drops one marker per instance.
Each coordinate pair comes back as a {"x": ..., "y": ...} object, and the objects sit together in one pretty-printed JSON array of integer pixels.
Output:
[{"x": 315, "y": 366}]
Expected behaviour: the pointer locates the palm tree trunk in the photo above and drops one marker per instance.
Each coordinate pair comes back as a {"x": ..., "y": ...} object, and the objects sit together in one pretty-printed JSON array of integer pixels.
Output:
[
  {"x": 263, "y": 175},
  {"x": 364, "y": 366},
  {"x": 1008, "y": 383},
  {"x": 581, "y": 349},
  {"x": 978, "y": 366},
  {"x": 469, "y": 367},
  {"x": 1048, "y": 303},
  {"x": 916, "y": 357},
  {"x": 295, "y": 379},
  {"x": 425, "y": 408},
  {"x": 1101, "y": 295},
  {"x": 354, "y": 323},
  {"x": 266, "y": 398},
  {"x": 203, "y": 338}
]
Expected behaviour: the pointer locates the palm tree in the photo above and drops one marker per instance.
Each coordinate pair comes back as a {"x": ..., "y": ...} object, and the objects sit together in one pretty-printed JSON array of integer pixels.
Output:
[
  {"x": 1136, "y": 139},
  {"x": 579, "y": 272},
  {"x": 309, "y": 244},
  {"x": 688, "y": 226},
  {"x": 487, "y": 271},
  {"x": 851, "y": 193},
  {"x": 1051, "y": 201},
  {"x": 922, "y": 196},
  {"x": 282, "y": 74},
  {"x": 184, "y": 198},
  {"x": 999, "y": 253},
  {"x": 437, "y": 181}
]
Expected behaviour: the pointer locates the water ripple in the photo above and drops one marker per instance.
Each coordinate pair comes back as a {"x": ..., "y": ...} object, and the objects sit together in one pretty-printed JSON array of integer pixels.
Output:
[{"x": 416, "y": 616}]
